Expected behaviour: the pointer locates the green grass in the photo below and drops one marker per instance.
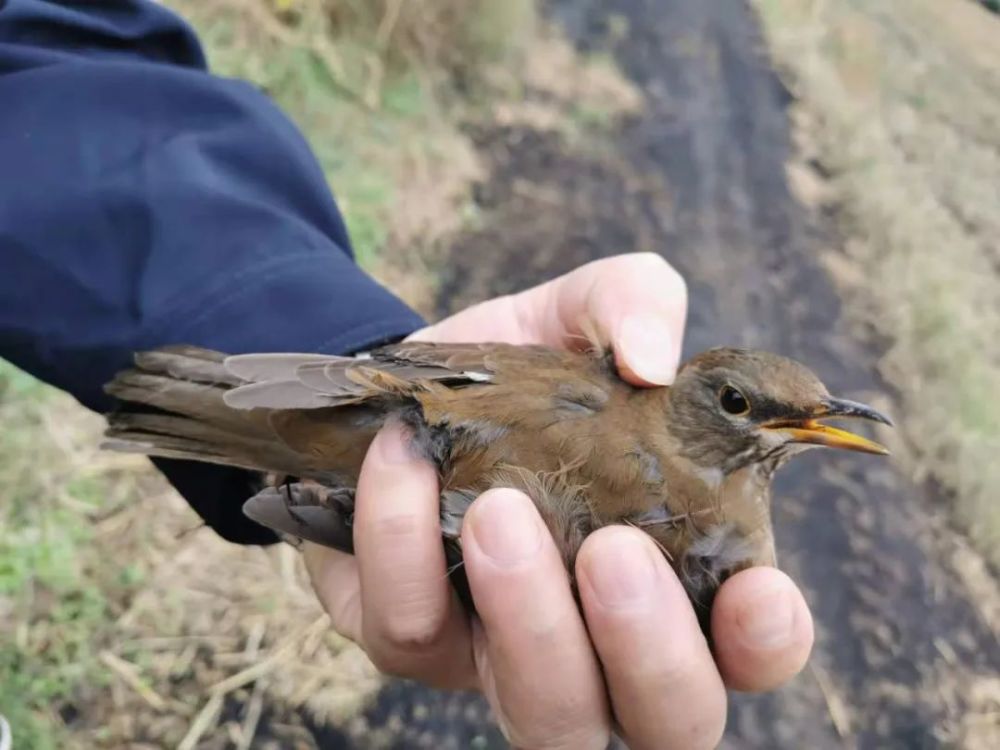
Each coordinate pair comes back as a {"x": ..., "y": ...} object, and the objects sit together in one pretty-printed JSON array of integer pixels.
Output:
[
  {"x": 59, "y": 586},
  {"x": 46, "y": 651},
  {"x": 37, "y": 676}
]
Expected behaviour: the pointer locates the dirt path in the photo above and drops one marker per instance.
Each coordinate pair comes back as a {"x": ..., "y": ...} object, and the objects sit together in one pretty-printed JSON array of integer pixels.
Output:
[{"x": 699, "y": 176}]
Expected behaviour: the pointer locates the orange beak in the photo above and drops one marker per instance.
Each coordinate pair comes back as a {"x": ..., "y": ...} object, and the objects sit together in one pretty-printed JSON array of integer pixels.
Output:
[{"x": 810, "y": 430}]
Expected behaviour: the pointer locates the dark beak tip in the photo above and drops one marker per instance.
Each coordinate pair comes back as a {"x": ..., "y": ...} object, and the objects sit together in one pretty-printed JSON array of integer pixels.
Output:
[
  {"x": 842, "y": 407},
  {"x": 877, "y": 416}
]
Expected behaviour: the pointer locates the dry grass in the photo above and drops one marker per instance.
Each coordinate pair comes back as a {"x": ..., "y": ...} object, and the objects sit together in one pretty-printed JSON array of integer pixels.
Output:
[
  {"x": 899, "y": 102},
  {"x": 56, "y": 596},
  {"x": 381, "y": 89},
  {"x": 124, "y": 618},
  {"x": 372, "y": 107}
]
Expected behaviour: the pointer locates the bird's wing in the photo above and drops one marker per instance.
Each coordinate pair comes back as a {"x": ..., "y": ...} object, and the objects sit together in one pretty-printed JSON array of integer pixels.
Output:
[
  {"x": 308, "y": 415},
  {"x": 304, "y": 381},
  {"x": 172, "y": 405}
]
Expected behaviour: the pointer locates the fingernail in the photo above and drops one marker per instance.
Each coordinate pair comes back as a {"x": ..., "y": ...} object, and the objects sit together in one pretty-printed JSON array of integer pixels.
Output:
[
  {"x": 506, "y": 526},
  {"x": 648, "y": 348},
  {"x": 621, "y": 569},
  {"x": 393, "y": 444},
  {"x": 769, "y": 622}
]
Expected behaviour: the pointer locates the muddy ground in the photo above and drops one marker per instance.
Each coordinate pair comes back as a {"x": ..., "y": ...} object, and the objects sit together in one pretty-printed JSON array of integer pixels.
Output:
[{"x": 699, "y": 176}]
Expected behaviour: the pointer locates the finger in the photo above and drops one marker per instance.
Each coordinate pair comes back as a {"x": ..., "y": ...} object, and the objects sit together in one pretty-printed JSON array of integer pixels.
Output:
[
  {"x": 540, "y": 669},
  {"x": 665, "y": 689},
  {"x": 496, "y": 320},
  {"x": 636, "y": 302},
  {"x": 762, "y": 629},
  {"x": 334, "y": 577},
  {"x": 411, "y": 623}
]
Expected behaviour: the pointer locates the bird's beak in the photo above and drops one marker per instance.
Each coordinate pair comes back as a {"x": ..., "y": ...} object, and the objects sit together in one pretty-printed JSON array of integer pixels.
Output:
[{"x": 809, "y": 429}]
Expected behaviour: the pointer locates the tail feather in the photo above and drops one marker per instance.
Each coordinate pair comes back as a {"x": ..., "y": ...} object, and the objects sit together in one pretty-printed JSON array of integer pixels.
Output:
[
  {"x": 164, "y": 447},
  {"x": 154, "y": 433},
  {"x": 189, "y": 418},
  {"x": 310, "y": 416},
  {"x": 190, "y": 398}
]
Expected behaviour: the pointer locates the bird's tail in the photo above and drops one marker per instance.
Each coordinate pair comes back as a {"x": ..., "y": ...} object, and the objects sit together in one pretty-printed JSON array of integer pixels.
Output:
[{"x": 173, "y": 407}]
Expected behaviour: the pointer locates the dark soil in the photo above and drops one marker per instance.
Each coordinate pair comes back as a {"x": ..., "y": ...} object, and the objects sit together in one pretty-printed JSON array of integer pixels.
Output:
[{"x": 699, "y": 177}]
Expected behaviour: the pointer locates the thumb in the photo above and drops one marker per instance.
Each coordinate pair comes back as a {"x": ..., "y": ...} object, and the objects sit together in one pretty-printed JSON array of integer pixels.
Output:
[{"x": 638, "y": 304}]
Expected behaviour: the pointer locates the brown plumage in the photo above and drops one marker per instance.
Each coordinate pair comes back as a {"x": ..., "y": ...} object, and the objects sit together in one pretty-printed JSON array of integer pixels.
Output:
[{"x": 690, "y": 464}]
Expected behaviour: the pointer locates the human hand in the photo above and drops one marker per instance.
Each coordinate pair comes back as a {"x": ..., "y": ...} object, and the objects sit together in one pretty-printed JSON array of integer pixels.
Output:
[{"x": 635, "y": 660}]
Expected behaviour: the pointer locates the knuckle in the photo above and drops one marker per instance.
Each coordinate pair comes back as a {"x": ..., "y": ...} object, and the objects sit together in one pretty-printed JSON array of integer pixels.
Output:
[
  {"x": 703, "y": 724},
  {"x": 570, "y": 731},
  {"x": 544, "y": 628},
  {"x": 403, "y": 649},
  {"x": 546, "y": 717},
  {"x": 698, "y": 725},
  {"x": 404, "y": 634},
  {"x": 575, "y": 740},
  {"x": 412, "y": 621},
  {"x": 673, "y": 670},
  {"x": 414, "y": 634},
  {"x": 396, "y": 528},
  {"x": 392, "y": 664},
  {"x": 677, "y": 667}
]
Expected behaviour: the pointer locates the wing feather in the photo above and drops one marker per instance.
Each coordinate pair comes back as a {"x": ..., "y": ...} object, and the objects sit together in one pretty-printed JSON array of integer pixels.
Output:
[{"x": 400, "y": 371}]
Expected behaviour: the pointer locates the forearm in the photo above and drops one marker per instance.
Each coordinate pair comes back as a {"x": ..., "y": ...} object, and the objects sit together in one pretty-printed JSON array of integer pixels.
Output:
[{"x": 145, "y": 202}]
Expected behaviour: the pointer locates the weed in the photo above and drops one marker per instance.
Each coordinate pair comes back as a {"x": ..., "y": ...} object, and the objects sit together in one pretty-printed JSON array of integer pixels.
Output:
[{"x": 46, "y": 549}]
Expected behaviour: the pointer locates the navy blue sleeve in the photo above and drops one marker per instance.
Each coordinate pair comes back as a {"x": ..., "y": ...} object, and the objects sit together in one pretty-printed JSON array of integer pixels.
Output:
[{"x": 144, "y": 202}]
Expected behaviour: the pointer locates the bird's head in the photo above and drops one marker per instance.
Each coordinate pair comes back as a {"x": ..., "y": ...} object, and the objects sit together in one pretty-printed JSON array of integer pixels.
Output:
[{"x": 734, "y": 407}]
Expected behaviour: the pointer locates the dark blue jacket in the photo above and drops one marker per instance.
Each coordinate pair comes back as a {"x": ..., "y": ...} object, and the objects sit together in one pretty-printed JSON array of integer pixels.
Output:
[{"x": 144, "y": 201}]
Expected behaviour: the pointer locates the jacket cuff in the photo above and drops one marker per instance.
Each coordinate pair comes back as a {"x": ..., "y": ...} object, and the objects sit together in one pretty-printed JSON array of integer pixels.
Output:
[{"x": 332, "y": 308}]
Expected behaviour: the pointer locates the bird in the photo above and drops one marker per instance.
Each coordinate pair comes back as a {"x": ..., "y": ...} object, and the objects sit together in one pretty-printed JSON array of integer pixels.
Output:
[{"x": 689, "y": 464}]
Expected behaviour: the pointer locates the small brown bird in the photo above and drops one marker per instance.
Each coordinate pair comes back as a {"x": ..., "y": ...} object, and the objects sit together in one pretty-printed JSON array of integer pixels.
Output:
[{"x": 690, "y": 464}]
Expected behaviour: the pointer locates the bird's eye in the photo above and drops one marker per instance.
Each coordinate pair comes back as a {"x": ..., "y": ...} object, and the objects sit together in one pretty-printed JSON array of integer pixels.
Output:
[{"x": 733, "y": 401}]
